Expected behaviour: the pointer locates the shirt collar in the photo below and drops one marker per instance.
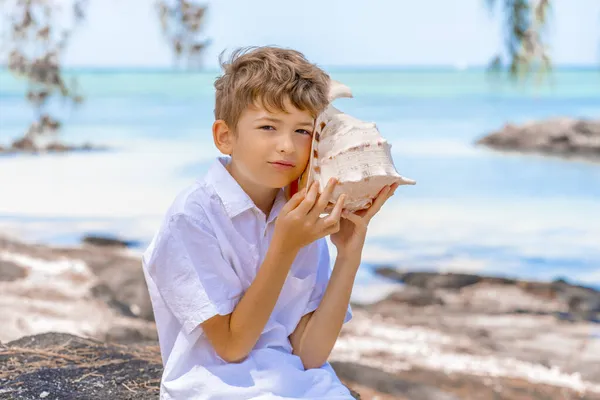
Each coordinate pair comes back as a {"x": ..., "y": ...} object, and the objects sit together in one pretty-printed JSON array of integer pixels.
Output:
[
  {"x": 234, "y": 198},
  {"x": 280, "y": 201}
]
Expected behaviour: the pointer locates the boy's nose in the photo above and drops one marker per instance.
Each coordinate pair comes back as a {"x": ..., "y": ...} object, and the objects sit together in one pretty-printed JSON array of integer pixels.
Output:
[{"x": 285, "y": 144}]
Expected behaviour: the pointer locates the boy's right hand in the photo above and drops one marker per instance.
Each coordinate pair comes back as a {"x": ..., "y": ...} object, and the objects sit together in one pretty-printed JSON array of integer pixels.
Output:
[{"x": 299, "y": 223}]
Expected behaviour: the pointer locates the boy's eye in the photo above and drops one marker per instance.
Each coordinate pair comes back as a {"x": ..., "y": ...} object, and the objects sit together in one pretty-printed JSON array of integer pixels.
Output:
[
  {"x": 266, "y": 127},
  {"x": 304, "y": 132}
]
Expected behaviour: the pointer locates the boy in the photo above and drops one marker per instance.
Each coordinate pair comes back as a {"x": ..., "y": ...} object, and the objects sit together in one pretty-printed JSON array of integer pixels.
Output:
[{"x": 246, "y": 305}]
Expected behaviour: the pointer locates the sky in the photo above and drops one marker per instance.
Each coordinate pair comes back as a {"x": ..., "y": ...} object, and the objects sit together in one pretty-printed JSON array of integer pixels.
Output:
[{"x": 333, "y": 32}]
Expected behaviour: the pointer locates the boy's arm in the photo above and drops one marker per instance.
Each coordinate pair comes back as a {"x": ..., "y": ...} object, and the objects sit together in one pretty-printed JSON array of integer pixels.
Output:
[
  {"x": 315, "y": 336},
  {"x": 316, "y": 333},
  {"x": 235, "y": 334}
]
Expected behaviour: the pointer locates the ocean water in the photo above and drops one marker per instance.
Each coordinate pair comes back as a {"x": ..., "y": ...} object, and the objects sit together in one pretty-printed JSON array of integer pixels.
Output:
[{"x": 472, "y": 209}]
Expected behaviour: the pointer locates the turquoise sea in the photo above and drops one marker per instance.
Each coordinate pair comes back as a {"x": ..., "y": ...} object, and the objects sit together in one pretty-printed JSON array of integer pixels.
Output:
[{"x": 472, "y": 209}]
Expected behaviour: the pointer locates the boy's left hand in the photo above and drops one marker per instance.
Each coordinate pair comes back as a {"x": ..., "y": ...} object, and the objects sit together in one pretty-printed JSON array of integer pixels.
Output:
[{"x": 350, "y": 239}]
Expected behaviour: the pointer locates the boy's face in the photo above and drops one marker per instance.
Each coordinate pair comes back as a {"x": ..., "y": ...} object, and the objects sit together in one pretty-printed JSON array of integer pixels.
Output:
[{"x": 271, "y": 149}]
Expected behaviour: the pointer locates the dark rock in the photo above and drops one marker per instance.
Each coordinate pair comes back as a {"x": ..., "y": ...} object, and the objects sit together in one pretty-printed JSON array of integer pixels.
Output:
[
  {"x": 104, "y": 293},
  {"x": 98, "y": 240},
  {"x": 562, "y": 285},
  {"x": 585, "y": 308},
  {"x": 130, "y": 334},
  {"x": 69, "y": 367},
  {"x": 11, "y": 272},
  {"x": 390, "y": 273},
  {"x": 441, "y": 281},
  {"x": 498, "y": 280},
  {"x": 58, "y": 147},
  {"x": 539, "y": 289},
  {"x": 414, "y": 296},
  {"x": 386, "y": 383},
  {"x": 430, "y": 280},
  {"x": 49, "y": 339},
  {"x": 24, "y": 144},
  {"x": 121, "y": 273},
  {"x": 564, "y": 137},
  {"x": 583, "y": 302},
  {"x": 125, "y": 279},
  {"x": 27, "y": 145}
]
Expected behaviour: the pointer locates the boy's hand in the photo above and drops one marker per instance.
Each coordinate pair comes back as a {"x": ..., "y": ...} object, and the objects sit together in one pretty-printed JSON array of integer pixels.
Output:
[
  {"x": 299, "y": 222},
  {"x": 350, "y": 238}
]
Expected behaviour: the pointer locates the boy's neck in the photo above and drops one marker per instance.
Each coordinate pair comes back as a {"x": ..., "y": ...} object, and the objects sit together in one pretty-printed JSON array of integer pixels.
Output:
[{"x": 263, "y": 197}]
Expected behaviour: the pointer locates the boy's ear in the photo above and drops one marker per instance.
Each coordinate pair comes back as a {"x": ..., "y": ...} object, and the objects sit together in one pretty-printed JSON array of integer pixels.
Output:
[{"x": 223, "y": 137}]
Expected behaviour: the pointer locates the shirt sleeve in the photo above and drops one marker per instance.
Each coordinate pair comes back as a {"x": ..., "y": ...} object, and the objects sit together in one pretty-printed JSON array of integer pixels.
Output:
[
  {"x": 190, "y": 273},
  {"x": 324, "y": 269}
]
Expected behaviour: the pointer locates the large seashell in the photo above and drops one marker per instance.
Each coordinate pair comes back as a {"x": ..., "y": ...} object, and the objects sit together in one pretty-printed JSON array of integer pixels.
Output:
[{"x": 351, "y": 150}]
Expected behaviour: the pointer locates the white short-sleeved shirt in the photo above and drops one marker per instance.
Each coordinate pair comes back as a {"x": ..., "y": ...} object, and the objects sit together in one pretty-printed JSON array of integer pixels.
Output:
[{"x": 199, "y": 264}]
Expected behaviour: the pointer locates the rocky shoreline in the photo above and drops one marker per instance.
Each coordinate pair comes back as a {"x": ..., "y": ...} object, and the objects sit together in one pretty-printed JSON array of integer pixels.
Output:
[
  {"x": 560, "y": 137},
  {"x": 28, "y": 146},
  {"x": 438, "y": 336}
]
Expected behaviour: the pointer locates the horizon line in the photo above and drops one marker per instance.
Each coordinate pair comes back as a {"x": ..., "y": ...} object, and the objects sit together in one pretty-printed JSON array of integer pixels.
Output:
[{"x": 335, "y": 68}]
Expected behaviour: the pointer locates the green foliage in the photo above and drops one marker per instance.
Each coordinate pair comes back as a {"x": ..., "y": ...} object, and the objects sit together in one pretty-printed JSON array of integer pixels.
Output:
[
  {"x": 525, "y": 44},
  {"x": 36, "y": 36}
]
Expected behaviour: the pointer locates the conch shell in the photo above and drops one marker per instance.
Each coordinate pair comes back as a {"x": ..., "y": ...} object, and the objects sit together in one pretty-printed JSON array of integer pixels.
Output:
[{"x": 353, "y": 152}]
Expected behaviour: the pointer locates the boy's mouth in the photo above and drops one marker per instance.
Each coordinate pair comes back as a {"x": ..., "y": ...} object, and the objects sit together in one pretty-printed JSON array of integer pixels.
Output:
[{"x": 283, "y": 163}]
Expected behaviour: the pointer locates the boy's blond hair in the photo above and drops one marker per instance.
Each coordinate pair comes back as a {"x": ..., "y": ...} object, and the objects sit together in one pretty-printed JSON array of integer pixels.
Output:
[{"x": 268, "y": 76}]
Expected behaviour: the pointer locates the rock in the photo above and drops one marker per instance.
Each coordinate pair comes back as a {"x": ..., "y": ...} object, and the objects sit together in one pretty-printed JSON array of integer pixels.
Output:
[
  {"x": 471, "y": 354},
  {"x": 566, "y": 137},
  {"x": 441, "y": 281},
  {"x": 386, "y": 383},
  {"x": 24, "y": 144},
  {"x": 582, "y": 303},
  {"x": 390, "y": 273},
  {"x": 121, "y": 274},
  {"x": 67, "y": 367},
  {"x": 11, "y": 272},
  {"x": 131, "y": 334},
  {"x": 103, "y": 292},
  {"x": 58, "y": 147},
  {"x": 497, "y": 298},
  {"x": 124, "y": 277},
  {"x": 430, "y": 280},
  {"x": 27, "y": 145},
  {"x": 98, "y": 240},
  {"x": 540, "y": 289},
  {"x": 414, "y": 296}
]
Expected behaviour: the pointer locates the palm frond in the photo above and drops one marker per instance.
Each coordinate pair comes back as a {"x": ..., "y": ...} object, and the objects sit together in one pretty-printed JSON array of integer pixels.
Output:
[
  {"x": 182, "y": 22},
  {"x": 525, "y": 23},
  {"x": 34, "y": 40}
]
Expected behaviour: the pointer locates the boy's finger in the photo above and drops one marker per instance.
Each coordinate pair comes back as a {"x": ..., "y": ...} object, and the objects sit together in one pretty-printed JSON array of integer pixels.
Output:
[
  {"x": 309, "y": 200},
  {"x": 335, "y": 214},
  {"x": 383, "y": 195},
  {"x": 293, "y": 202},
  {"x": 355, "y": 219},
  {"x": 332, "y": 229},
  {"x": 323, "y": 201}
]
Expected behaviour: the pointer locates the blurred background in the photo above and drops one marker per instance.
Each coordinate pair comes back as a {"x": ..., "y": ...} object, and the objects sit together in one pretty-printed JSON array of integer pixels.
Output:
[{"x": 106, "y": 110}]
